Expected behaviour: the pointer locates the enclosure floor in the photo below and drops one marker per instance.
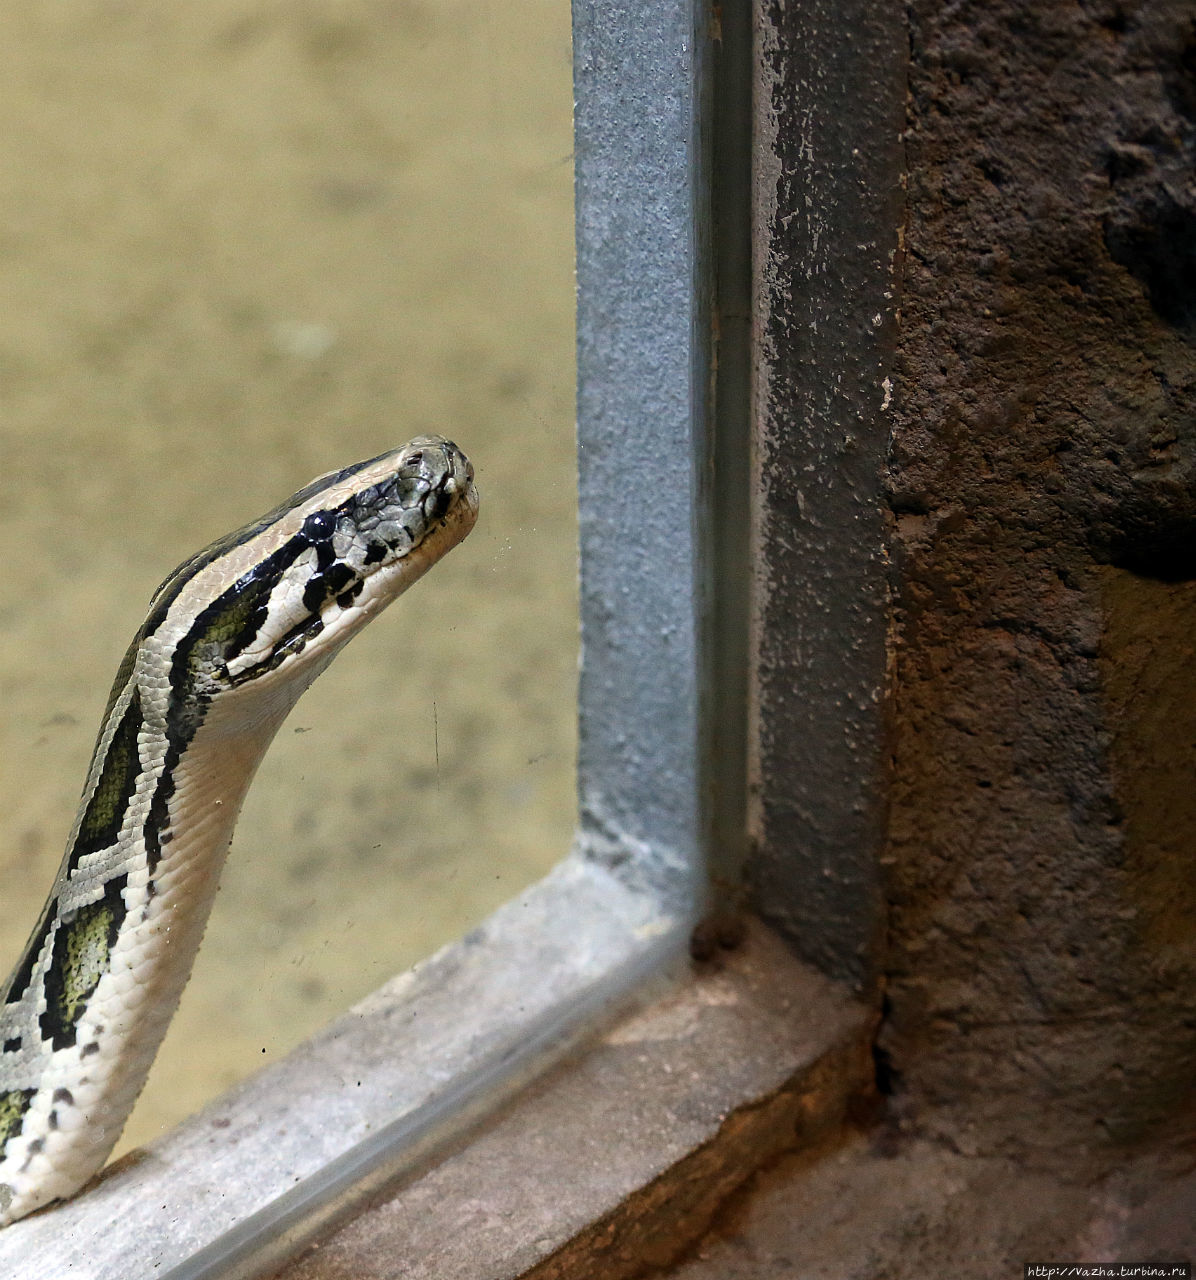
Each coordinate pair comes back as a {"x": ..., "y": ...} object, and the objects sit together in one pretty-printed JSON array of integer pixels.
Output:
[{"x": 877, "y": 1205}]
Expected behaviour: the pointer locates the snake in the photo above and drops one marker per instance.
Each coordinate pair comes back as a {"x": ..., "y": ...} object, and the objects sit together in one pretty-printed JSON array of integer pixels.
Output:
[{"x": 231, "y": 640}]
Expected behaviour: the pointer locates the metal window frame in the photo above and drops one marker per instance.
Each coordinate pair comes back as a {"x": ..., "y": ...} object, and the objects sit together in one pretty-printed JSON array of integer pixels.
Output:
[{"x": 242, "y": 1185}]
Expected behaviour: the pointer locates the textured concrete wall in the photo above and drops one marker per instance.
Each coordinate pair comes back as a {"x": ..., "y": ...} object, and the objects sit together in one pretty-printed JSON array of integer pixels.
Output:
[{"x": 1042, "y": 834}]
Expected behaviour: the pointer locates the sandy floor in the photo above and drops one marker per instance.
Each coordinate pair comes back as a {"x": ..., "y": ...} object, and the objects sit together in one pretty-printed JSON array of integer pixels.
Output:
[{"x": 240, "y": 244}]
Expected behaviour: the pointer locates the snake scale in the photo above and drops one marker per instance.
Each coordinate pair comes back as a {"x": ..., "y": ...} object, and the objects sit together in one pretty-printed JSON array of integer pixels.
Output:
[{"x": 231, "y": 640}]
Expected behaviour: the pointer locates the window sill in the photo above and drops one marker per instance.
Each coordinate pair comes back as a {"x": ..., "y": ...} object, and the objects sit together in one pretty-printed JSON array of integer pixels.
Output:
[
  {"x": 619, "y": 1158},
  {"x": 643, "y": 1133},
  {"x": 282, "y": 1156}
]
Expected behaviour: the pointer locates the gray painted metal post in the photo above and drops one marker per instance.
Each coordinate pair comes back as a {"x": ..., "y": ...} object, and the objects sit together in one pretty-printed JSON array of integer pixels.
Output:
[{"x": 642, "y": 375}]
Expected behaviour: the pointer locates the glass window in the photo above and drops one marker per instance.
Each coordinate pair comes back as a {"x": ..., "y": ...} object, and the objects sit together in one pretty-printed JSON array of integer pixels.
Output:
[
  {"x": 626, "y": 898},
  {"x": 243, "y": 244}
]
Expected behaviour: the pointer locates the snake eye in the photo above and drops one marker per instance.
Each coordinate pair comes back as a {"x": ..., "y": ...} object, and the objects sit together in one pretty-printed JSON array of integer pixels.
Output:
[{"x": 319, "y": 525}]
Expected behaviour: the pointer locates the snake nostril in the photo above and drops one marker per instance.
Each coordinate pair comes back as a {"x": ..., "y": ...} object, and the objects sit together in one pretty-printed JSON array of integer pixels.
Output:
[{"x": 435, "y": 503}]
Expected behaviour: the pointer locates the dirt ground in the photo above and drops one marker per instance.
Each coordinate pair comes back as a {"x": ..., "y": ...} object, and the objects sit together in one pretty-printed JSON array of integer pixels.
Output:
[
  {"x": 877, "y": 1205},
  {"x": 241, "y": 244}
]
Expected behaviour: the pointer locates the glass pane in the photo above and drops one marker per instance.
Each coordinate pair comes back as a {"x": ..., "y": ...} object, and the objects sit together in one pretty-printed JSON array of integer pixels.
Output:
[{"x": 242, "y": 244}]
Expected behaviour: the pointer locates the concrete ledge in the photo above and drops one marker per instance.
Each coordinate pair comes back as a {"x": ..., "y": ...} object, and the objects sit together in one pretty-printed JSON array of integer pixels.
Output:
[
  {"x": 618, "y": 1159},
  {"x": 282, "y": 1158}
]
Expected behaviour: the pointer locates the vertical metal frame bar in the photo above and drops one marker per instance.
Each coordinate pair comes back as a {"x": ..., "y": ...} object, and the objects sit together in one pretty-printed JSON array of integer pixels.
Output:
[
  {"x": 726, "y": 518},
  {"x": 642, "y": 407}
]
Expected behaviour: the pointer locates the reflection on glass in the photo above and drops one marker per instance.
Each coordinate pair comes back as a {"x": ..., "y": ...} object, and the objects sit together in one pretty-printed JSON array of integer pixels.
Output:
[{"x": 241, "y": 244}]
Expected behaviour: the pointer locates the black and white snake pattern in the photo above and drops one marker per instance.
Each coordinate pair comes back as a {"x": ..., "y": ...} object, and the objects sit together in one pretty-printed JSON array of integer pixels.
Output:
[{"x": 231, "y": 640}]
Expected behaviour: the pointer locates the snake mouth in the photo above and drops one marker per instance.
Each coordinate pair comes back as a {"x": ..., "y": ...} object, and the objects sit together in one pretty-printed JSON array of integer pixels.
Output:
[
  {"x": 364, "y": 535},
  {"x": 404, "y": 523},
  {"x": 394, "y": 517},
  {"x": 390, "y": 547}
]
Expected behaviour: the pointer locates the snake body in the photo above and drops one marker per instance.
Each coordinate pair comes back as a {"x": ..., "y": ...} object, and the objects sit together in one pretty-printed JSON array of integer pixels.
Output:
[{"x": 231, "y": 640}]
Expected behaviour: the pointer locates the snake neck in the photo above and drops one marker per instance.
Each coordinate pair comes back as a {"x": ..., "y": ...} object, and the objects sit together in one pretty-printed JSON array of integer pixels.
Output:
[
  {"x": 231, "y": 640},
  {"x": 87, "y": 1007}
]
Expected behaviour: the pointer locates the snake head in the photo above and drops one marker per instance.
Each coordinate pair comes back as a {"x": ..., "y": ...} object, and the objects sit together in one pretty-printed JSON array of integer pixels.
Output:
[{"x": 288, "y": 590}]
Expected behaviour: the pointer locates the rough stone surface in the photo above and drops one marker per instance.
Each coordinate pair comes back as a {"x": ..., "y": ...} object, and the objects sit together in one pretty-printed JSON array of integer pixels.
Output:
[
  {"x": 1042, "y": 933},
  {"x": 857, "y": 1209}
]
